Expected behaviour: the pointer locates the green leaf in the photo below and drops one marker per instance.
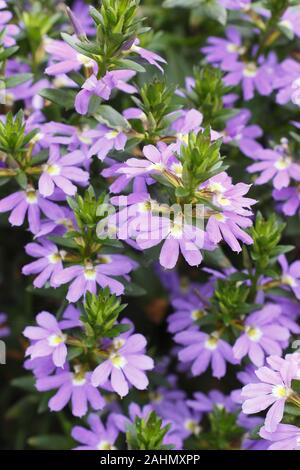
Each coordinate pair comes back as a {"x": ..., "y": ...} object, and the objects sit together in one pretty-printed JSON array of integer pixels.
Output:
[
  {"x": 50, "y": 442},
  {"x": 8, "y": 52},
  {"x": 63, "y": 98},
  {"x": 22, "y": 179},
  {"x": 182, "y": 3},
  {"x": 15, "y": 80},
  {"x": 129, "y": 64},
  {"x": 292, "y": 410},
  {"x": 134, "y": 290},
  {"x": 24, "y": 383},
  {"x": 62, "y": 241},
  {"x": 109, "y": 116}
]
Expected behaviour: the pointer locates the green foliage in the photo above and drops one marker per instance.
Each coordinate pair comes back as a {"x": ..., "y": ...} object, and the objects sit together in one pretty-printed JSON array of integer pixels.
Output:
[
  {"x": 277, "y": 7},
  {"x": 37, "y": 23},
  {"x": 206, "y": 8},
  {"x": 207, "y": 96},
  {"x": 63, "y": 98},
  {"x": 266, "y": 236},
  {"x": 13, "y": 136},
  {"x": 109, "y": 116},
  {"x": 87, "y": 208},
  {"x": 102, "y": 312},
  {"x": 117, "y": 26},
  {"x": 156, "y": 102},
  {"x": 147, "y": 434},
  {"x": 230, "y": 298},
  {"x": 224, "y": 430},
  {"x": 201, "y": 159}
]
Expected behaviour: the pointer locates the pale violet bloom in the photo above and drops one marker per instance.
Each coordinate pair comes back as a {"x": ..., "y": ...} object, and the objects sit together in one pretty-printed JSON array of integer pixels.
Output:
[
  {"x": 125, "y": 365},
  {"x": 62, "y": 171},
  {"x": 48, "y": 339}
]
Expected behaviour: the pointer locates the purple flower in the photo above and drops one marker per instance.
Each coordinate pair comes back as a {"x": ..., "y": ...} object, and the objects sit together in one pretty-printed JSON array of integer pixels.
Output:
[
  {"x": 224, "y": 51},
  {"x": 44, "y": 366},
  {"x": 188, "y": 310},
  {"x": 49, "y": 262},
  {"x": 4, "y": 330},
  {"x": 58, "y": 223},
  {"x": 158, "y": 160},
  {"x": 276, "y": 165},
  {"x": 263, "y": 335},
  {"x": 291, "y": 20},
  {"x": 49, "y": 340},
  {"x": 61, "y": 172},
  {"x": 81, "y": 10},
  {"x": 289, "y": 199},
  {"x": 86, "y": 277},
  {"x": 31, "y": 202},
  {"x": 272, "y": 391},
  {"x": 234, "y": 212},
  {"x": 252, "y": 76},
  {"x": 75, "y": 386},
  {"x": 200, "y": 349},
  {"x": 28, "y": 92},
  {"x": 121, "y": 181},
  {"x": 185, "y": 422},
  {"x": 99, "y": 437},
  {"x": 125, "y": 365},
  {"x": 40, "y": 366},
  {"x": 8, "y": 31},
  {"x": 178, "y": 236},
  {"x": 206, "y": 403},
  {"x": 285, "y": 437},
  {"x": 103, "y": 88},
  {"x": 104, "y": 140},
  {"x": 149, "y": 56},
  {"x": 290, "y": 276},
  {"x": 286, "y": 74},
  {"x": 66, "y": 58},
  {"x": 236, "y": 4},
  {"x": 237, "y": 132}
]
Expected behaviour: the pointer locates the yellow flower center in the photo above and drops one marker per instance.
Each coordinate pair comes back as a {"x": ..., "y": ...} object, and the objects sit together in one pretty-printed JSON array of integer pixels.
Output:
[
  {"x": 283, "y": 163},
  {"x": 211, "y": 343},
  {"x": 55, "y": 258},
  {"x": 105, "y": 445},
  {"x": 220, "y": 217},
  {"x": 90, "y": 273},
  {"x": 223, "y": 201},
  {"x": 289, "y": 280},
  {"x": 184, "y": 138},
  {"x": 111, "y": 135},
  {"x": 250, "y": 70},
  {"x": 55, "y": 340},
  {"x": 192, "y": 426},
  {"x": 216, "y": 187},
  {"x": 253, "y": 333},
  {"x": 118, "y": 361},
  {"x": 84, "y": 60},
  {"x": 177, "y": 169},
  {"x": 279, "y": 391},
  {"x": 52, "y": 170},
  {"x": 197, "y": 314},
  {"x": 235, "y": 48},
  {"x": 31, "y": 196}
]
